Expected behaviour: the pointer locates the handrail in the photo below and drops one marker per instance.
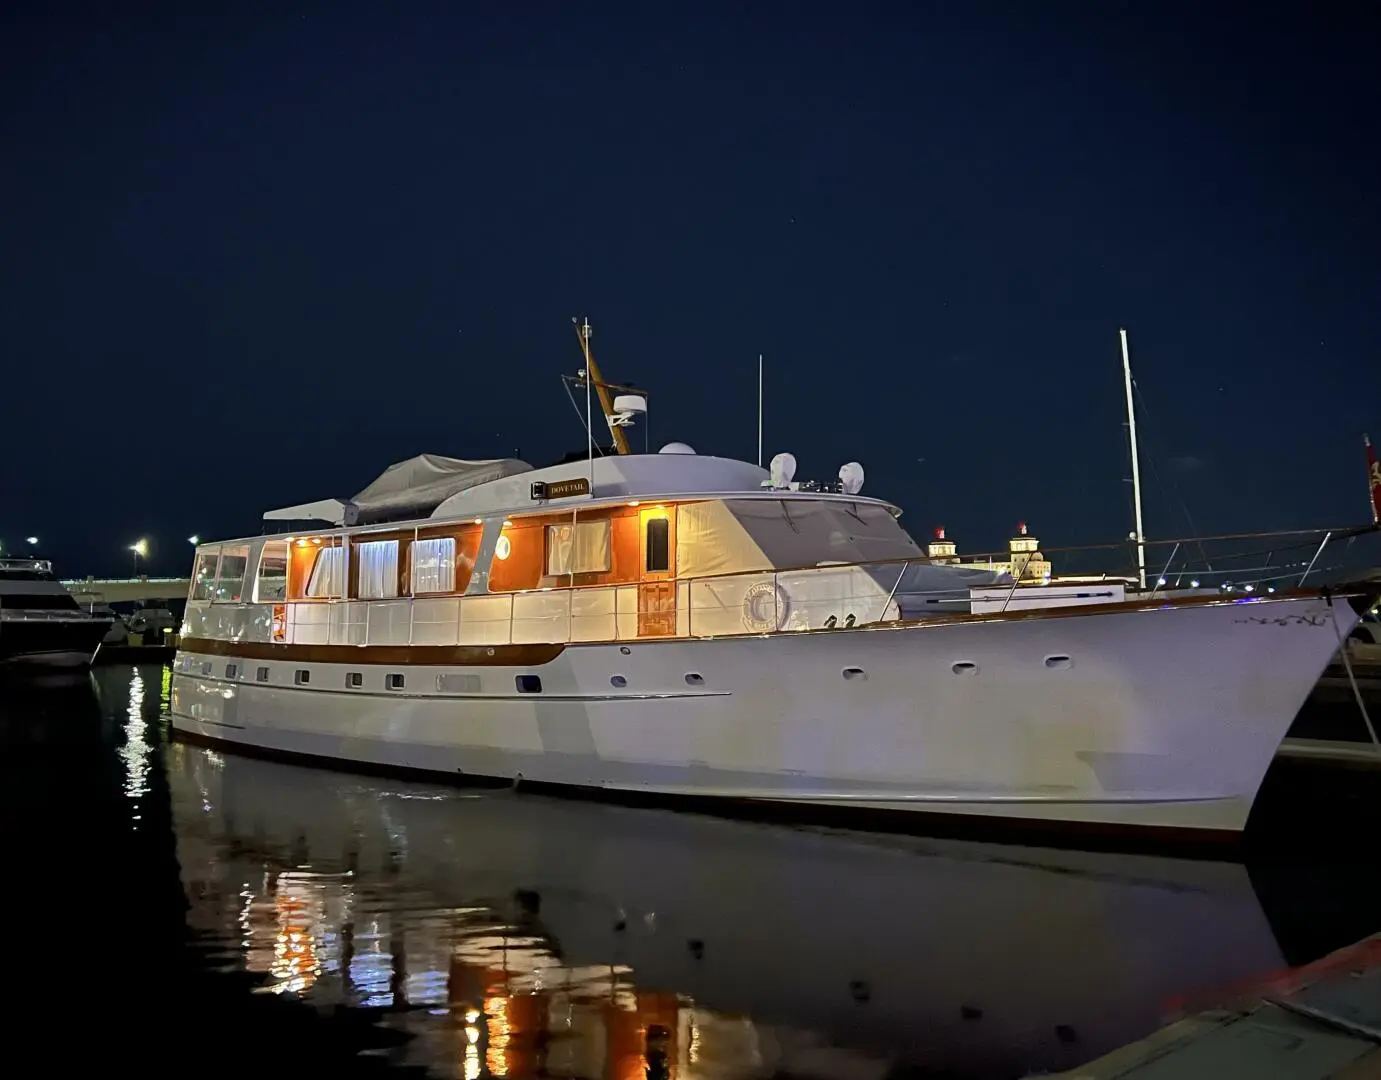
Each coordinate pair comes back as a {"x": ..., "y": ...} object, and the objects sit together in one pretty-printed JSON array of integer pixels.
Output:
[{"x": 834, "y": 595}]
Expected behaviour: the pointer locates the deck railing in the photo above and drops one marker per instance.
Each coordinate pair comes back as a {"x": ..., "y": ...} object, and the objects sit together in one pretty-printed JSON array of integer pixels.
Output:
[{"x": 798, "y": 598}]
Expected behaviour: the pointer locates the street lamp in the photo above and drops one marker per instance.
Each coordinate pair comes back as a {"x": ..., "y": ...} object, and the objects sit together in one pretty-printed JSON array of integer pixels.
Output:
[
  {"x": 194, "y": 539},
  {"x": 141, "y": 551},
  {"x": 32, "y": 541}
]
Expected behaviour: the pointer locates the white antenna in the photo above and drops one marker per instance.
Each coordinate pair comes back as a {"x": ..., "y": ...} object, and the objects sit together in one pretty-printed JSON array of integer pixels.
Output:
[
  {"x": 1138, "y": 536},
  {"x": 589, "y": 415},
  {"x": 759, "y": 410}
]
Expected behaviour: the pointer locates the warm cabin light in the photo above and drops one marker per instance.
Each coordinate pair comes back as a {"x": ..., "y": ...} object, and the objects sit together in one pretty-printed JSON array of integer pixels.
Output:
[
  {"x": 479, "y": 521},
  {"x": 503, "y": 548},
  {"x": 302, "y": 543},
  {"x": 507, "y": 524},
  {"x": 316, "y": 539},
  {"x": 632, "y": 502}
]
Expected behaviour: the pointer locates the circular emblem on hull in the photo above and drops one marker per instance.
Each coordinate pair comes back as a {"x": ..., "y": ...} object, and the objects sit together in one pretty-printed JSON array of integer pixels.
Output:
[{"x": 765, "y": 607}]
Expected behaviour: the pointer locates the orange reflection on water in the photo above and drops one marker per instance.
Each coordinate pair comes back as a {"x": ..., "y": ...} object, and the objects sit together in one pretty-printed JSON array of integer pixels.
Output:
[{"x": 295, "y": 963}]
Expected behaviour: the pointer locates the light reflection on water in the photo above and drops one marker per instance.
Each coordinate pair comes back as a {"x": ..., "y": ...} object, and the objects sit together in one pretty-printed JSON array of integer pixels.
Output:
[
  {"x": 137, "y": 748},
  {"x": 517, "y": 936}
]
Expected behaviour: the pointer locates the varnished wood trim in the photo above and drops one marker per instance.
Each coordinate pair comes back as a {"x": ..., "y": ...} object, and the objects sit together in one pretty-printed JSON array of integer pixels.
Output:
[
  {"x": 411, "y": 655},
  {"x": 1123, "y": 607}
]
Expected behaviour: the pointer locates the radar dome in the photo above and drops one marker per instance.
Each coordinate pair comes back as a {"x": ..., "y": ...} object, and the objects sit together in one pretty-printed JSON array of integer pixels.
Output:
[
  {"x": 851, "y": 478},
  {"x": 676, "y": 448},
  {"x": 782, "y": 469}
]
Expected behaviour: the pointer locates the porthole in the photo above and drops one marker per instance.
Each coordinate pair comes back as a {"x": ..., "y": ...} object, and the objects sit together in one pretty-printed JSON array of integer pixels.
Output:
[
  {"x": 854, "y": 674},
  {"x": 694, "y": 678},
  {"x": 964, "y": 667},
  {"x": 618, "y": 682}
]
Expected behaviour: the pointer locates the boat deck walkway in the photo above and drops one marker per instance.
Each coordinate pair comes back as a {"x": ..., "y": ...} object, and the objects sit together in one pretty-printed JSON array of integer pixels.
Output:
[{"x": 1318, "y": 1022}]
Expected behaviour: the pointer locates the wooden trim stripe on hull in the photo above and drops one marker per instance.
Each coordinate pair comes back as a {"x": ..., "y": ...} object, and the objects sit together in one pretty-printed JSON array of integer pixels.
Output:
[{"x": 415, "y": 655}]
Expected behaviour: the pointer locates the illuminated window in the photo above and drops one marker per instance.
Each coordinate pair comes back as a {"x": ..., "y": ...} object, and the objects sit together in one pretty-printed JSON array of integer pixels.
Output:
[
  {"x": 328, "y": 573},
  {"x": 434, "y": 565},
  {"x": 377, "y": 561},
  {"x": 581, "y": 548},
  {"x": 271, "y": 583}
]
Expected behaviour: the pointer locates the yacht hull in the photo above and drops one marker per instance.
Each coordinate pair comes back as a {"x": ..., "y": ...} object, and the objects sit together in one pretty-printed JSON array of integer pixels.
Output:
[
  {"x": 1154, "y": 718},
  {"x": 50, "y": 643}
]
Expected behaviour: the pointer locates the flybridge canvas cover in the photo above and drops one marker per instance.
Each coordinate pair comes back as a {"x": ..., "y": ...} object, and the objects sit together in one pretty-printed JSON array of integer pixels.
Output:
[
  {"x": 412, "y": 488},
  {"x": 421, "y": 484}
]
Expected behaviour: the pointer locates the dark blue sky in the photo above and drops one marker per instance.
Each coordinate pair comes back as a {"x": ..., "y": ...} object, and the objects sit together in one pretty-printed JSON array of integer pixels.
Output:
[{"x": 251, "y": 261}]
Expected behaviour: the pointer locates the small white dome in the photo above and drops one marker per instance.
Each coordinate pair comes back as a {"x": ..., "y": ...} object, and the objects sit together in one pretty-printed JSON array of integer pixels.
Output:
[{"x": 676, "y": 448}]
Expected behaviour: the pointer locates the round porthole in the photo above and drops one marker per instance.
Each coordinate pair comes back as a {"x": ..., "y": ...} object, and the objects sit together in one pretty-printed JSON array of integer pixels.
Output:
[
  {"x": 694, "y": 678},
  {"x": 503, "y": 549},
  {"x": 625, "y": 650},
  {"x": 854, "y": 674},
  {"x": 618, "y": 682},
  {"x": 964, "y": 667}
]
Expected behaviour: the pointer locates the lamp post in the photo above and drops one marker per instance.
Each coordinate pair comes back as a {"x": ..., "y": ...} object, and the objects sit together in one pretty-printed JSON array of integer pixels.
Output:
[
  {"x": 32, "y": 541},
  {"x": 140, "y": 548},
  {"x": 194, "y": 539}
]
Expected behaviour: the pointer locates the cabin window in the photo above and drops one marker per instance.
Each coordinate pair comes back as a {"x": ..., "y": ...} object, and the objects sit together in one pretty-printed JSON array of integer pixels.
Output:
[
  {"x": 328, "y": 573},
  {"x": 578, "y": 548},
  {"x": 434, "y": 565},
  {"x": 204, "y": 576},
  {"x": 230, "y": 577},
  {"x": 377, "y": 566},
  {"x": 658, "y": 557},
  {"x": 271, "y": 583}
]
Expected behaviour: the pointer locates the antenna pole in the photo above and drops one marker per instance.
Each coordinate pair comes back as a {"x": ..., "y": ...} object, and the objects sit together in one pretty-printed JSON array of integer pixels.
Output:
[
  {"x": 1140, "y": 536},
  {"x": 589, "y": 414},
  {"x": 759, "y": 410}
]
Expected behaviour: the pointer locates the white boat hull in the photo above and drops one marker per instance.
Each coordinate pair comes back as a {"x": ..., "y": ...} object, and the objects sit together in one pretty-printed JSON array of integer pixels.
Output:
[{"x": 1154, "y": 718}]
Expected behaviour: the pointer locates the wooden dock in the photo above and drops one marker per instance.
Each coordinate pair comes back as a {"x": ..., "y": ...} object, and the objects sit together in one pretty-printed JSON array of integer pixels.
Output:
[{"x": 1318, "y": 1022}]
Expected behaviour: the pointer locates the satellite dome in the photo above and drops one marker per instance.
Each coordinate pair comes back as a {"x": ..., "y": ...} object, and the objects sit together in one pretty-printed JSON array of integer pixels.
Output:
[{"x": 676, "y": 448}]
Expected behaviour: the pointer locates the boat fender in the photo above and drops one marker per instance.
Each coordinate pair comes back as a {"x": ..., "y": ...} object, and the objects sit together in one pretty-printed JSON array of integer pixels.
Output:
[{"x": 757, "y": 607}]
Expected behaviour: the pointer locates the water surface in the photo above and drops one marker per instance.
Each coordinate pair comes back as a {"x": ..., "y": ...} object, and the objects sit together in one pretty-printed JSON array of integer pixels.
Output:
[{"x": 237, "y": 904}]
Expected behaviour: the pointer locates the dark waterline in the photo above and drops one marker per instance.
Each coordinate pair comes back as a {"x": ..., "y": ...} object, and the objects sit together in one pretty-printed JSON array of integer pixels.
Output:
[{"x": 225, "y": 916}]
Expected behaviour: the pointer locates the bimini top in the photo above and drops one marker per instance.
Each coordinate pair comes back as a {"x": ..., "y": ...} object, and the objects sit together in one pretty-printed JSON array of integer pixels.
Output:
[{"x": 408, "y": 489}]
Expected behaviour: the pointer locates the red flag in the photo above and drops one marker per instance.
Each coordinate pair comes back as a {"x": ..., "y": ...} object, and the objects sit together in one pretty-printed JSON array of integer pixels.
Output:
[{"x": 1373, "y": 480}]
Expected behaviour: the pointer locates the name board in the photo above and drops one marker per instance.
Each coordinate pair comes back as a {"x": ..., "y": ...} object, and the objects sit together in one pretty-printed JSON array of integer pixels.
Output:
[{"x": 560, "y": 489}]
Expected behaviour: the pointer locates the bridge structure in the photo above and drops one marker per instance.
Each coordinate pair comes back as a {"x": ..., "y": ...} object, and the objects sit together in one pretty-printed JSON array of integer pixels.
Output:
[{"x": 127, "y": 590}]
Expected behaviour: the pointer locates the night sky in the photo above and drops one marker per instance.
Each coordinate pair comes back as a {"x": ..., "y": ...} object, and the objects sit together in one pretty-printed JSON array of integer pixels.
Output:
[{"x": 251, "y": 261}]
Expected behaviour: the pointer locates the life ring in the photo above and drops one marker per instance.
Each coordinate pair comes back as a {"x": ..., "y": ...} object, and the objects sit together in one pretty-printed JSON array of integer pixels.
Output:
[{"x": 757, "y": 611}]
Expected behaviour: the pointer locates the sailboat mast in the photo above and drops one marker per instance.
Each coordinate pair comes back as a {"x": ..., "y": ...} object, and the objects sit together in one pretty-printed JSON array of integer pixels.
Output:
[{"x": 1139, "y": 536}]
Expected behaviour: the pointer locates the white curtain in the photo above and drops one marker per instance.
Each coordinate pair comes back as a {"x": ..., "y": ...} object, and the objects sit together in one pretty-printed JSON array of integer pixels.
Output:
[
  {"x": 328, "y": 573},
  {"x": 434, "y": 565},
  {"x": 582, "y": 548},
  {"x": 378, "y": 561}
]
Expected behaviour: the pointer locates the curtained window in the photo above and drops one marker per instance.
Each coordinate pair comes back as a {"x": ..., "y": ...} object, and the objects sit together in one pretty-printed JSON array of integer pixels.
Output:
[
  {"x": 581, "y": 548},
  {"x": 434, "y": 565},
  {"x": 377, "y": 562},
  {"x": 327, "y": 573}
]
